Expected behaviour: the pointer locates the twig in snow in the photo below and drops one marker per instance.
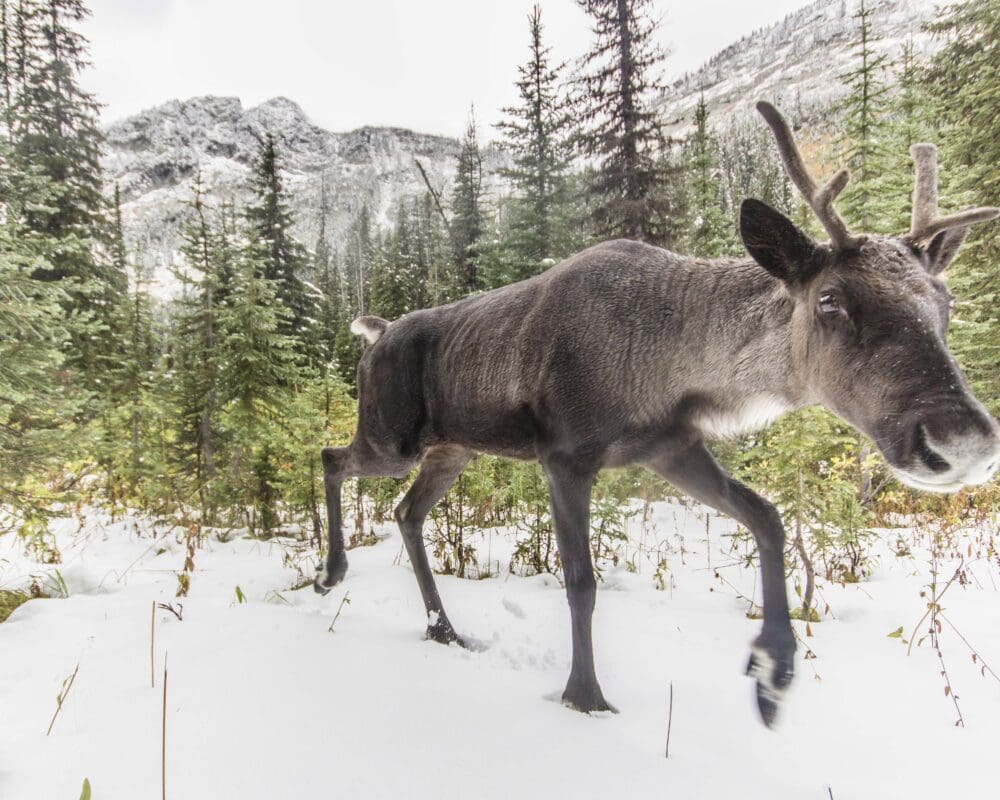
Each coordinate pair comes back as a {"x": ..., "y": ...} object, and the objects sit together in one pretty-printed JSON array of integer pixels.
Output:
[
  {"x": 163, "y": 735},
  {"x": 339, "y": 609},
  {"x": 935, "y": 600},
  {"x": 976, "y": 658},
  {"x": 177, "y": 611},
  {"x": 152, "y": 647},
  {"x": 61, "y": 697},
  {"x": 934, "y": 608},
  {"x": 670, "y": 720},
  {"x": 708, "y": 539}
]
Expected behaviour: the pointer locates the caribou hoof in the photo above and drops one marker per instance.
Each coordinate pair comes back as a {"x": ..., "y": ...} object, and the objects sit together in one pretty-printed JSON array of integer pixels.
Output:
[
  {"x": 773, "y": 668},
  {"x": 327, "y": 578},
  {"x": 439, "y": 630},
  {"x": 587, "y": 699}
]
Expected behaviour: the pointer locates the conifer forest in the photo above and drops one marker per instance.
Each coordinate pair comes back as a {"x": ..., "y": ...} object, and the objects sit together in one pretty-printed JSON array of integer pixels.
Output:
[{"x": 187, "y": 424}]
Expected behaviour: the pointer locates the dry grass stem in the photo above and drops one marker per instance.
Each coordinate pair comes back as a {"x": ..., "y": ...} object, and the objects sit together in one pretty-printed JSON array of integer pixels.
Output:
[{"x": 61, "y": 698}]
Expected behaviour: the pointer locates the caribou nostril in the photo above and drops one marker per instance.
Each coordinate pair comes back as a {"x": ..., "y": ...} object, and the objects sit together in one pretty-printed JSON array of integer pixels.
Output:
[{"x": 923, "y": 449}]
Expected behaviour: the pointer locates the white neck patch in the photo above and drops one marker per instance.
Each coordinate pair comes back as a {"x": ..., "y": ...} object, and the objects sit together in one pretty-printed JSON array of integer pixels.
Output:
[{"x": 742, "y": 416}]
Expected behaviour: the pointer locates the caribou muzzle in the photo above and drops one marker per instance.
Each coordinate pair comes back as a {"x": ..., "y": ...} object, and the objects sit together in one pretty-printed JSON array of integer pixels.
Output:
[{"x": 944, "y": 449}]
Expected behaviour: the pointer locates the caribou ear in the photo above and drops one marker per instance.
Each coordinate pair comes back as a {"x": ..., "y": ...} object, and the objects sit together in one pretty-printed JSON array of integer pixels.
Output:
[
  {"x": 943, "y": 248},
  {"x": 777, "y": 244}
]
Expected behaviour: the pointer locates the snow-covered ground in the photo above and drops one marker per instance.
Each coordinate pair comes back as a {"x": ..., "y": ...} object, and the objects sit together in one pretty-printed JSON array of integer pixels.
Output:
[{"x": 264, "y": 702}]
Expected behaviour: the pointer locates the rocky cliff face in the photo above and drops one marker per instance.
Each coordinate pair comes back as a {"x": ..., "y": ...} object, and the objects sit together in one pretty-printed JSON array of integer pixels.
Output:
[
  {"x": 796, "y": 62},
  {"x": 155, "y": 155}
]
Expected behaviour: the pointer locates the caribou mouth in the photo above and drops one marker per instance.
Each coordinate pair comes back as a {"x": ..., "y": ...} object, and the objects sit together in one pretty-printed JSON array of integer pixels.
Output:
[{"x": 924, "y": 485}]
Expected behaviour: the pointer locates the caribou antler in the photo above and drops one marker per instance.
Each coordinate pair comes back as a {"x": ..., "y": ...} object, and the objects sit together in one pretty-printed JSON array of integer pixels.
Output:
[
  {"x": 925, "y": 222},
  {"x": 819, "y": 200}
]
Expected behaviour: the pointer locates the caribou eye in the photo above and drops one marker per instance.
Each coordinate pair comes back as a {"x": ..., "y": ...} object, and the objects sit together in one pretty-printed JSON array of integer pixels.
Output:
[{"x": 828, "y": 303}]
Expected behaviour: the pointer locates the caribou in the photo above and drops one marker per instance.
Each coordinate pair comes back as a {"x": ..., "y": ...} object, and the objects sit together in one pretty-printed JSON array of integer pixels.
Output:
[{"x": 630, "y": 354}]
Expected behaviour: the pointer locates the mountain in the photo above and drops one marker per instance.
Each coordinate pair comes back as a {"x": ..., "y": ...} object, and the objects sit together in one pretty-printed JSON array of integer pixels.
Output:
[
  {"x": 154, "y": 156},
  {"x": 796, "y": 62}
]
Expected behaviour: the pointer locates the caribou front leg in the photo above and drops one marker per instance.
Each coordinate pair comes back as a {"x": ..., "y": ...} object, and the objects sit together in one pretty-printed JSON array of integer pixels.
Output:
[
  {"x": 440, "y": 467},
  {"x": 335, "y": 465},
  {"x": 339, "y": 464},
  {"x": 569, "y": 494},
  {"x": 695, "y": 472}
]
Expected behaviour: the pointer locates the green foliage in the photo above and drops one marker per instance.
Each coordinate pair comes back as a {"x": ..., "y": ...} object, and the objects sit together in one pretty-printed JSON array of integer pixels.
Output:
[
  {"x": 963, "y": 87},
  {"x": 542, "y": 222},
  {"x": 36, "y": 404},
  {"x": 284, "y": 261},
  {"x": 468, "y": 221},
  {"x": 525, "y": 494},
  {"x": 216, "y": 405},
  {"x": 811, "y": 465},
  {"x": 862, "y": 145},
  {"x": 467, "y": 506},
  {"x": 710, "y": 233},
  {"x": 10, "y": 601},
  {"x": 749, "y": 166},
  {"x": 620, "y": 127}
]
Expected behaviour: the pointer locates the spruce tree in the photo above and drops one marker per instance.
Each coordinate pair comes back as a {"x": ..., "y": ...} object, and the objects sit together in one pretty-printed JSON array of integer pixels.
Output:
[
  {"x": 907, "y": 125},
  {"x": 55, "y": 132},
  {"x": 468, "y": 221},
  {"x": 862, "y": 144},
  {"x": 126, "y": 359},
  {"x": 749, "y": 167},
  {"x": 138, "y": 377},
  {"x": 620, "y": 81},
  {"x": 330, "y": 285},
  {"x": 56, "y": 127},
  {"x": 286, "y": 260},
  {"x": 709, "y": 234},
  {"x": 359, "y": 253},
  {"x": 395, "y": 278},
  {"x": 198, "y": 351},
  {"x": 35, "y": 404},
  {"x": 536, "y": 135},
  {"x": 258, "y": 368},
  {"x": 439, "y": 274}
]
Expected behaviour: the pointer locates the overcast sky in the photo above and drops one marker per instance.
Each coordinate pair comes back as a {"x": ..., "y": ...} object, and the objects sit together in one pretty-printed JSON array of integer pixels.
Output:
[{"x": 413, "y": 63}]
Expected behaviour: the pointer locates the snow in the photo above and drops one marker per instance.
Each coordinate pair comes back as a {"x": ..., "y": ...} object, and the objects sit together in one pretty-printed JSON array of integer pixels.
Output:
[{"x": 264, "y": 702}]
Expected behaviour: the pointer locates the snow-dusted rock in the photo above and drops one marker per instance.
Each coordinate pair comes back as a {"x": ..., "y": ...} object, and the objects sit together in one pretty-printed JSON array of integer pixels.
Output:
[
  {"x": 795, "y": 62},
  {"x": 154, "y": 156}
]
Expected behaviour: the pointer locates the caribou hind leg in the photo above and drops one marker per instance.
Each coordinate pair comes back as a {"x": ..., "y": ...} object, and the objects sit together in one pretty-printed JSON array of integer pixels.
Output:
[
  {"x": 339, "y": 464},
  {"x": 696, "y": 473},
  {"x": 439, "y": 469},
  {"x": 569, "y": 493}
]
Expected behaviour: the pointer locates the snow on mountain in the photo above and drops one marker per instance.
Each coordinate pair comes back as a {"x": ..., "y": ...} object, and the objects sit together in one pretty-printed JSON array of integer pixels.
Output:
[
  {"x": 796, "y": 62},
  {"x": 154, "y": 156}
]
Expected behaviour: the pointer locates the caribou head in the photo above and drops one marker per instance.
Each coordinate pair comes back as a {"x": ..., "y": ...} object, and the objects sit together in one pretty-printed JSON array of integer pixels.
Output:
[{"x": 870, "y": 319}]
